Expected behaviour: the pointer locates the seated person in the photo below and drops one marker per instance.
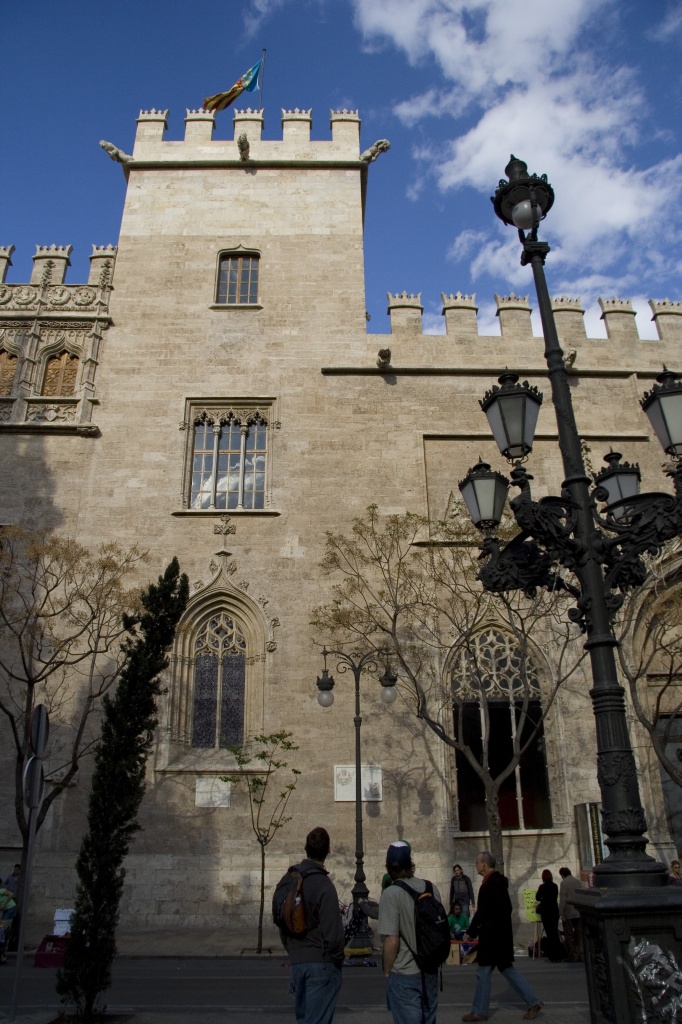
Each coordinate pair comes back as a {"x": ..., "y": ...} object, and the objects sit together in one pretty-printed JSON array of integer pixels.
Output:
[{"x": 458, "y": 921}]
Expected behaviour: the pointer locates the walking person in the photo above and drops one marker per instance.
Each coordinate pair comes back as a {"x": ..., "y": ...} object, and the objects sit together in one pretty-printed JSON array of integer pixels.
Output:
[
  {"x": 461, "y": 890},
  {"x": 316, "y": 957},
  {"x": 570, "y": 915},
  {"x": 547, "y": 898},
  {"x": 492, "y": 926},
  {"x": 412, "y": 996}
]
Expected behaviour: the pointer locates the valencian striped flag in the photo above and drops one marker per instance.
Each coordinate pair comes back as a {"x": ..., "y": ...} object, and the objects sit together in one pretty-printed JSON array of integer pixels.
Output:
[{"x": 247, "y": 82}]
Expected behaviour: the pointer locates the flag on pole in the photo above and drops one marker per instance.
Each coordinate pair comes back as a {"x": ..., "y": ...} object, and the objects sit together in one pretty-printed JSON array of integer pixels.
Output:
[{"x": 247, "y": 82}]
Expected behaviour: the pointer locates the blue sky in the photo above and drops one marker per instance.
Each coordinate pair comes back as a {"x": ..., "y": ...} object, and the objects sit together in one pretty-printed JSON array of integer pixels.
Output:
[{"x": 586, "y": 91}]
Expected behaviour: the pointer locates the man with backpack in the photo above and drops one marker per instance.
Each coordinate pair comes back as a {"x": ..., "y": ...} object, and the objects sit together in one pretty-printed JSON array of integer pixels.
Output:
[
  {"x": 305, "y": 908},
  {"x": 416, "y": 939}
]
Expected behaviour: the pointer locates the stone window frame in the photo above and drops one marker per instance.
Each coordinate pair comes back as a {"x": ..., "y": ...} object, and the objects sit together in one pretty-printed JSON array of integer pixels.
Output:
[
  {"x": 218, "y": 410},
  {"x": 511, "y": 695},
  {"x": 7, "y": 384},
  {"x": 219, "y": 637},
  {"x": 220, "y": 597},
  {"x": 239, "y": 252},
  {"x": 65, "y": 354}
]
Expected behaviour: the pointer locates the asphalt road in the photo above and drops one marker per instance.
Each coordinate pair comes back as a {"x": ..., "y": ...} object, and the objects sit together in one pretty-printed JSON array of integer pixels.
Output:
[{"x": 204, "y": 986}]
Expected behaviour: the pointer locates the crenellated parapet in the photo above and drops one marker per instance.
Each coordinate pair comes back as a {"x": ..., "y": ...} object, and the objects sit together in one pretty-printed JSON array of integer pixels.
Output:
[
  {"x": 200, "y": 143},
  {"x": 47, "y": 291},
  {"x": 460, "y": 311},
  {"x": 50, "y": 337}
]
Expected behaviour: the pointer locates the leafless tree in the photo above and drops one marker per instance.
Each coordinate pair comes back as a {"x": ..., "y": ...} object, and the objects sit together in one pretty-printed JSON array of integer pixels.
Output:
[
  {"x": 649, "y": 630},
  {"x": 403, "y": 583},
  {"x": 61, "y": 632}
]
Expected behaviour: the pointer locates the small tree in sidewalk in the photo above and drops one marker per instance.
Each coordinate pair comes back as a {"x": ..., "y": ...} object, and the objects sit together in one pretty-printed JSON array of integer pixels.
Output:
[
  {"x": 267, "y": 808},
  {"x": 118, "y": 786}
]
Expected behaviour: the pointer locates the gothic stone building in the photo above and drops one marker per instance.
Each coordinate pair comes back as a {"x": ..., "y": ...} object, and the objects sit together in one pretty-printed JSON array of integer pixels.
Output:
[{"x": 213, "y": 392}]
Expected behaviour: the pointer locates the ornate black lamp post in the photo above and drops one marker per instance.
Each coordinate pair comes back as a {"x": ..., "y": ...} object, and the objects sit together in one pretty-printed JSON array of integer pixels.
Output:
[
  {"x": 357, "y": 664},
  {"x": 633, "y": 919}
]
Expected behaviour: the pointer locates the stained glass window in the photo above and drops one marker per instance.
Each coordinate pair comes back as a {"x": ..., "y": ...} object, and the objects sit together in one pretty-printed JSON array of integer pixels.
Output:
[
  {"x": 219, "y": 684},
  {"x": 494, "y": 667},
  {"x": 238, "y": 279}
]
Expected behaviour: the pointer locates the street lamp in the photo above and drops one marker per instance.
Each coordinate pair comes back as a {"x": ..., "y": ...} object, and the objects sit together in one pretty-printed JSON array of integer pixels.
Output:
[
  {"x": 632, "y": 917},
  {"x": 357, "y": 664}
]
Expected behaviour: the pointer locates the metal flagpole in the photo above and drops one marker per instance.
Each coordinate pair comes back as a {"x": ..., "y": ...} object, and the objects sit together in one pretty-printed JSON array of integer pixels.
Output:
[{"x": 262, "y": 75}]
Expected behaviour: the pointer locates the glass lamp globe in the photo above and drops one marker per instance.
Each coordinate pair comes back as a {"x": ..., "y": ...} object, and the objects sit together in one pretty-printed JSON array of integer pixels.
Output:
[
  {"x": 325, "y": 698},
  {"x": 388, "y": 694},
  {"x": 522, "y": 215}
]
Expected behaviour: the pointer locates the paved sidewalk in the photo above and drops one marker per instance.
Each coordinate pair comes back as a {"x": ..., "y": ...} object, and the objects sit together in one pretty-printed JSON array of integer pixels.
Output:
[{"x": 219, "y": 943}]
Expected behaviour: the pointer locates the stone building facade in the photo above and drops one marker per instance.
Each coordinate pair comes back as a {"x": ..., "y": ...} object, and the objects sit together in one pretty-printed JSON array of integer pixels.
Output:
[{"x": 213, "y": 393}]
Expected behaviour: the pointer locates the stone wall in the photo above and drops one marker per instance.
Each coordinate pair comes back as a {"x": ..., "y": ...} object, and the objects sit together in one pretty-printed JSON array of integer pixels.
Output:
[{"x": 342, "y": 433}]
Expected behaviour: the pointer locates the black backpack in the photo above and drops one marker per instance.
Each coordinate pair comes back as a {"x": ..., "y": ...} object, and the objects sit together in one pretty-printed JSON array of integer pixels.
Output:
[
  {"x": 431, "y": 927},
  {"x": 288, "y": 906}
]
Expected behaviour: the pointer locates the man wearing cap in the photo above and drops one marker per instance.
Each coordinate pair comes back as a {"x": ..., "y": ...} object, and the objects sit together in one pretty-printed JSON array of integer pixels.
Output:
[{"x": 412, "y": 996}]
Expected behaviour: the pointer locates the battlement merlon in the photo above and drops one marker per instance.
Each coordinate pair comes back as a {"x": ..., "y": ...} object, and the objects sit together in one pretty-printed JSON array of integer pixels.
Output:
[
  {"x": 5, "y": 261},
  {"x": 460, "y": 313},
  {"x": 668, "y": 318},
  {"x": 50, "y": 263},
  {"x": 200, "y": 148},
  {"x": 514, "y": 313},
  {"x": 405, "y": 312}
]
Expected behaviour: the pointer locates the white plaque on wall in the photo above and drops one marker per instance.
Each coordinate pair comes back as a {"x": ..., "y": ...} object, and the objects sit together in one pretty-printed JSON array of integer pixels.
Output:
[
  {"x": 344, "y": 782},
  {"x": 212, "y": 792}
]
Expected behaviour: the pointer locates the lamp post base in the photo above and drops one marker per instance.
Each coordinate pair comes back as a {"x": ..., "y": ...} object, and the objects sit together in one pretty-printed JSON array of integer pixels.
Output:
[
  {"x": 633, "y": 953},
  {"x": 361, "y": 942}
]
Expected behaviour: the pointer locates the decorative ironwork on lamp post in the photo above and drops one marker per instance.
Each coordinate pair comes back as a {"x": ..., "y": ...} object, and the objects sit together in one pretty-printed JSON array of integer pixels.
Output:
[
  {"x": 357, "y": 664},
  {"x": 602, "y": 549}
]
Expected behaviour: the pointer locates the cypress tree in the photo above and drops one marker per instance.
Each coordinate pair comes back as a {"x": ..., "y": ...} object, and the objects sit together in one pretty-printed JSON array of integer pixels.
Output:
[{"x": 118, "y": 786}]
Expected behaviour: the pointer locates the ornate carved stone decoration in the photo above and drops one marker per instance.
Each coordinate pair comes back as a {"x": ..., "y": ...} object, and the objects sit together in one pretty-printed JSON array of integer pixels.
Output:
[
  {"x": 54, "y": 412},
  {"x": 225, "y": 526},
  {"x": 375, "y": 150}
]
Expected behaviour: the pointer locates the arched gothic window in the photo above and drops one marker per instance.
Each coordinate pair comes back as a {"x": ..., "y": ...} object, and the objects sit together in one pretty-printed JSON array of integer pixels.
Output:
[
  {"x": 219, "y": 683},
  {"x": 491, "y": 679},
  {"x": 61, "y": 374}
]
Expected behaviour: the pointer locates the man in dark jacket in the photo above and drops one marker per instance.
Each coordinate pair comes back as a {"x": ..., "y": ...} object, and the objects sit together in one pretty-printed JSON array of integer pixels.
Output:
[
  {"x": 492, "y": 926},
  {"x": 316, "y": 958}
]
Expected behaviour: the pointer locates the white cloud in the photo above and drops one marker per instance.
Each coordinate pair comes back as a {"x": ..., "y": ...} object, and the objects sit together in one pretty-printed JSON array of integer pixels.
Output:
[
  {"x": 669, "y": 28},
  {"x": 465, "y": 243},
  {"x": 538, "y": 86},
  {"x": 433, "y": 322}
]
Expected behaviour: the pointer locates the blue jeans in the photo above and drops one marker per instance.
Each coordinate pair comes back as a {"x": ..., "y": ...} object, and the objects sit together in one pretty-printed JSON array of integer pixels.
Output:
[
  {"x": 409, "y": 1002},
  {"x": 517, "y": 981},
  {"x": 316, "y": 987}
]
